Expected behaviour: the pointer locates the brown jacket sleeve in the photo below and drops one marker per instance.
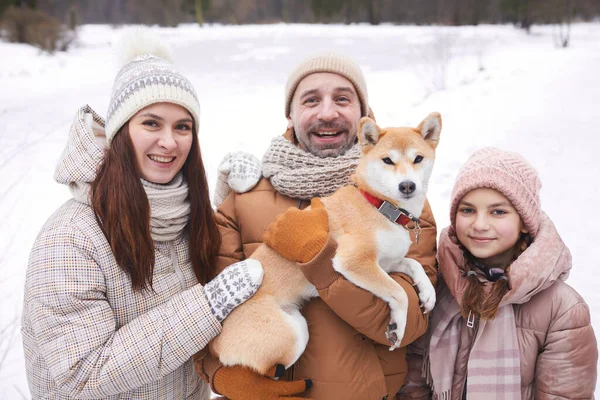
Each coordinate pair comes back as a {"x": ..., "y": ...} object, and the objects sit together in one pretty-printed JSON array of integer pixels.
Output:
[
  {"x": 369, "y": 314},
  {"x": 231, "y": 250},
  {"x": 365, "y": 312},
  {"x": 206, "y": 366}
]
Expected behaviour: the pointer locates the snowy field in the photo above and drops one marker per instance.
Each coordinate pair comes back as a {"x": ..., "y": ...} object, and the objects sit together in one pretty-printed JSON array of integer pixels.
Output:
[{"x": 493, "y": 85}]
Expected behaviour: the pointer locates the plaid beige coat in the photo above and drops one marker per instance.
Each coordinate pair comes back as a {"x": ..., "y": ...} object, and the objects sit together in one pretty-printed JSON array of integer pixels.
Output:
[{"x": 86, "y": 333}]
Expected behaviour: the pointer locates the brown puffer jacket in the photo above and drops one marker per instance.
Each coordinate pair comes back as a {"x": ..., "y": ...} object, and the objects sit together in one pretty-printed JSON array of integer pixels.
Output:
[{"x": 347, "y": 355}]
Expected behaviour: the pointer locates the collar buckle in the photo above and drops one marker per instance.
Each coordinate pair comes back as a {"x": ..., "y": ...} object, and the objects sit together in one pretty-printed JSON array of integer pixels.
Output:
[{"x": 390, "y": 211}]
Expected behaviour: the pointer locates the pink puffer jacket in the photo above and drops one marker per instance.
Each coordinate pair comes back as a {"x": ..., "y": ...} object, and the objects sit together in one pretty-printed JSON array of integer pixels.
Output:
[{"x": 557, "y": 346}]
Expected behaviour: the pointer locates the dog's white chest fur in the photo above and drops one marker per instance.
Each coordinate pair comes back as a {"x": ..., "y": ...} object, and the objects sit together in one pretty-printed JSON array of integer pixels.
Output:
[{"x": 392, "y": 245}]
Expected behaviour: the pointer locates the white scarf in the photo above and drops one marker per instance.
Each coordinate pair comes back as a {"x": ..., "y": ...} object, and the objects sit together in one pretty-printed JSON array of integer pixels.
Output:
[{"x": 169, "y": 207}]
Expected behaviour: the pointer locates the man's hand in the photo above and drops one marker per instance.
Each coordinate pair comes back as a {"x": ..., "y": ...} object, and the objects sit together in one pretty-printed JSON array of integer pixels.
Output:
[
  {"x": 299, "y": 235},
  {"x": 240, "y": 383},
  {"x": 240, "y": 172}
]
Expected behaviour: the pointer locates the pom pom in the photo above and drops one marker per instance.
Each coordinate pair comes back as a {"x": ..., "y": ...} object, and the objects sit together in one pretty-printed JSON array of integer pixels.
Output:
[{"x": 137, "y": 41}]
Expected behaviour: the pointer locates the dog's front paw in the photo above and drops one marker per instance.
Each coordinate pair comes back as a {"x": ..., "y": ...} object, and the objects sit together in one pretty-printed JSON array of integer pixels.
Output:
[
  {"x": 391, "y": 334},
  {"x": 426, "y": 296},
  {"x": 395, "y": 330}
]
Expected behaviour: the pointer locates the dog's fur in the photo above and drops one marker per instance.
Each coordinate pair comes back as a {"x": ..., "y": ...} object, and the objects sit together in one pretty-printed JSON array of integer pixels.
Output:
[{"x": 268, "y": 329}]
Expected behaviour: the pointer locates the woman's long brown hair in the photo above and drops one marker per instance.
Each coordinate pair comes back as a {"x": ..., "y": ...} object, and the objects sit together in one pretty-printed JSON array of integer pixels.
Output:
[
  {"x": 123, "y": 212},
  {"x": 475, "y": 299}
]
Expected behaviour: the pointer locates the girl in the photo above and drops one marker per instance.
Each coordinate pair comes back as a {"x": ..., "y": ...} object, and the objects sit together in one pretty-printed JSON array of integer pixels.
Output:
[
  {"x": 113, "y": 308},
  {"x": 506, "y": 325}
]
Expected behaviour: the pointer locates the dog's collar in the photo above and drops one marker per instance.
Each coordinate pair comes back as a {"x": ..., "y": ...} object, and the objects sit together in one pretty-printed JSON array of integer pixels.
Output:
[{"x": 395, "y": 214}]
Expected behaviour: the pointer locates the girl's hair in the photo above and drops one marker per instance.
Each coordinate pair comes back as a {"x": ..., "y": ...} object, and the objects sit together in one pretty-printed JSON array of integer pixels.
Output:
[
  {"x": 123, "y": 212},
  {"x": 476, "y": 299}
]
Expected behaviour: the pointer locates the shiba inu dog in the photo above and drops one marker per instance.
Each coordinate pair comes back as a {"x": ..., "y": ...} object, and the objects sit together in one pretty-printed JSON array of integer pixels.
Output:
[{"x": 368, "y": 221}]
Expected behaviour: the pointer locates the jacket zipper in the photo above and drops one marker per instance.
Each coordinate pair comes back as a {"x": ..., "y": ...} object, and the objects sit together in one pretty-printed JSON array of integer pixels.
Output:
[
  {"x": 181, "y": 278},
  {"x": 472, "y": 323},
  {"x": 175, "y": 263}
]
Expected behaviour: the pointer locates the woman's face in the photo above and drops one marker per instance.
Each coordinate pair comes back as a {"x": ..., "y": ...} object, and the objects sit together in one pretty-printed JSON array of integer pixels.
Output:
[
  {"x": 489, "y": 226},
  {"x": 162, "y": 138}
]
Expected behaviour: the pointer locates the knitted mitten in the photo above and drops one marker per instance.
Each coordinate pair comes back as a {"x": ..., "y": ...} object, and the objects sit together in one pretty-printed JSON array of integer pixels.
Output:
[
  {"x": 240, "y": 383},
  {"x": 240, "y": 172},
  {"x": 299, "y": 235},
  {"x": 234, "y": 285}
]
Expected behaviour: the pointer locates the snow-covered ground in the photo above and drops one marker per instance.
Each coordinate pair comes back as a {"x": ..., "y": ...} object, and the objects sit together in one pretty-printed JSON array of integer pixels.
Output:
[{"x": 501, "y": 87}]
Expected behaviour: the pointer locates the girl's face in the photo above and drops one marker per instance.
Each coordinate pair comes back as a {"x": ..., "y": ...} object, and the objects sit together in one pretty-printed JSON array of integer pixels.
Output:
[
  {"x": 489, "y": 226},
  {"x": 162, "y": 138}
]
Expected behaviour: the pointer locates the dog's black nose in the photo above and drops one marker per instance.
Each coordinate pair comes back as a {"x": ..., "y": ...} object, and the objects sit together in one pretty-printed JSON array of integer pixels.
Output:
[{"x": 407, "y": 187}]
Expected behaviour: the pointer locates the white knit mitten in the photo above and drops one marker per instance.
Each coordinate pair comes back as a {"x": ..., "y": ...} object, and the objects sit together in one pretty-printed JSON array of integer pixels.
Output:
[
  {"x": 238, "y": 171},
  {"x": 234, "y": 285}
]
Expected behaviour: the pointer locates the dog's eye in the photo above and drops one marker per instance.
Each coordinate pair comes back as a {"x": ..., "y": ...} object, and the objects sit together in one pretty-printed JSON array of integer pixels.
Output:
[
  {"x": 418, "y": 159},
  {"x": 387, "y": 160}
]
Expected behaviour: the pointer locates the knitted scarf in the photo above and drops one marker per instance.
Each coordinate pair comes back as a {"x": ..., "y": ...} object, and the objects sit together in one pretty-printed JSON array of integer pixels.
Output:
[
  {"x": 169, "y": 205},
  {"x": 169, "y": 208},
  {"x": 301, "y": 175},
  {"x": 493, "y": 369}
]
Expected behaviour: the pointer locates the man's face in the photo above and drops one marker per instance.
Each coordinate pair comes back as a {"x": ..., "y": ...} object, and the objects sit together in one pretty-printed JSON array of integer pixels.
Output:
[{"x": 325, "y": 112}]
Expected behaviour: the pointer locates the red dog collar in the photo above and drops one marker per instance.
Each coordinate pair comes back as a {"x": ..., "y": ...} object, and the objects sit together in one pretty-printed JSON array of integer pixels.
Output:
[{"x": 397, "y": 215}]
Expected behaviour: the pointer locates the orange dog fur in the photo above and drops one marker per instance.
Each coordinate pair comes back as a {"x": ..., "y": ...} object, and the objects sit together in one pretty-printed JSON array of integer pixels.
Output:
[{"x": 395, "y": 166}]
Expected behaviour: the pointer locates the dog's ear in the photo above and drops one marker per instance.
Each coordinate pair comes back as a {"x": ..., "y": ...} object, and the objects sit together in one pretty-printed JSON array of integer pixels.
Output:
[
  {"x": 430, "y": 128},
  {"x": 368, "y": 133}
]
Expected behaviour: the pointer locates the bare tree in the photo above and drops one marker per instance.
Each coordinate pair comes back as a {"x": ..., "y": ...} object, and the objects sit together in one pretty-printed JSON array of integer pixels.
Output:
[
  {"x": 199, "y": 12},
  {"x": 433, "y": 59},
  {"x": 565, "y": 10},
  {"x": 373, "y": 11}
]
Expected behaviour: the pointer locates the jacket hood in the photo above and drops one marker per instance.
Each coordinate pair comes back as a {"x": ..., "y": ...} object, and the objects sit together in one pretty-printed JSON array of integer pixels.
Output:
[
  {"x": 545, "y": 261},
  {"x": 83, "y": 153}
]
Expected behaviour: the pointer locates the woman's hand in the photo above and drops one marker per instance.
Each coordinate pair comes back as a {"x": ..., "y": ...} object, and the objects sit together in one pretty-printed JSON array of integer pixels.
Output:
[{"x": 234, "y": 285}]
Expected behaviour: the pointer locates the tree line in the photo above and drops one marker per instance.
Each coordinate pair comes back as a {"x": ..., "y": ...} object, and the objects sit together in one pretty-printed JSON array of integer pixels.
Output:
[
  {"x": 51, "y": 24},
  {"x": 523, "y": 13}
]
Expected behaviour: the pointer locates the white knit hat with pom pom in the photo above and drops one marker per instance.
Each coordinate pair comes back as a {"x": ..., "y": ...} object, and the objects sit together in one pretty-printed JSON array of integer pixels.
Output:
[{"x": 147, "y": 77}]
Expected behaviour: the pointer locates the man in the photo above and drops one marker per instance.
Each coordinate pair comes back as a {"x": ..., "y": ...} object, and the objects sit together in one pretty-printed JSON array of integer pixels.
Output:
[{"x": 347, "y": 355}]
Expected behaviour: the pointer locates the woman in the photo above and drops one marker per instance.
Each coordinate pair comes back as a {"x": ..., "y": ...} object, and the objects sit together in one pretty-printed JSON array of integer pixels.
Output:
[
  {"x": 120, "y": 288},
  {"x": 506, "y": 325}
]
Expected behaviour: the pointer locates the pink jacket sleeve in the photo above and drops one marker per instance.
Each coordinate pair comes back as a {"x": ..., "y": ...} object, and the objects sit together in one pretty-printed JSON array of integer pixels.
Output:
[{"x": 567, "y": 366}]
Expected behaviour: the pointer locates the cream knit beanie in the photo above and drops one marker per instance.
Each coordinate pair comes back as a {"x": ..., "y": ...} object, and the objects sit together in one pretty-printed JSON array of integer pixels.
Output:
[
  {"x": 328, "y": 62},
  {"x": 147, "y": 77},
  {"x": 508, "y": 173}
]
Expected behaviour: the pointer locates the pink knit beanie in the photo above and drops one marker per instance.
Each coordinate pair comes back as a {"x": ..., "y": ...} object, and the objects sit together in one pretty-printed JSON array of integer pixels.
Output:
[{"x": 508, "y": 173}]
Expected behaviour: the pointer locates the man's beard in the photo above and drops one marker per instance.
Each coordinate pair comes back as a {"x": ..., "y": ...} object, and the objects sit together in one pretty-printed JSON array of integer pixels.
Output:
[{"x": 328, "y": 150}]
